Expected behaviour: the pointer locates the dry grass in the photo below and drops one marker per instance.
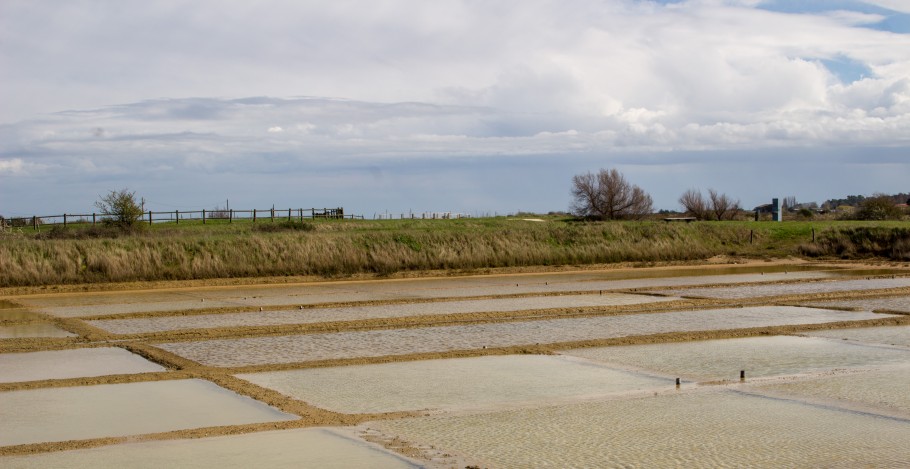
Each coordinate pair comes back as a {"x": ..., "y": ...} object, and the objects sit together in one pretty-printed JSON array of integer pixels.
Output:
[{"x": 341, "y": 248}]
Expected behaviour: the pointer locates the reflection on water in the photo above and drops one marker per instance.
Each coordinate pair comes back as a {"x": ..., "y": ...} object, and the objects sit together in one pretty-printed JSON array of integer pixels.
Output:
[
  {"x": 311, "y": 447},
  {"x": 758, "y": 291},
  {"x": 38, "y": 329},
  {"x": 759, "y": 356},
  {"x": 269, "y": 318},
  {"x": 706, "y": 429},
  {"x": 62, "y": 364},
  {"x": 315, "y": 293},
  {"x": 375, "y": 343},
  {"x": 75, "y": 413},
  {"x": 888, "y": 335},
  {"x": 451, "y": 384},
  {"x": 884, "y": 388},
  {"x": 894, "y": 303}
]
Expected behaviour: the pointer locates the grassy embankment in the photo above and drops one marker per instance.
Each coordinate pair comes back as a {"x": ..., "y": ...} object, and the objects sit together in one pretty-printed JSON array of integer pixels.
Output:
[{"x": 335, "y": 248}]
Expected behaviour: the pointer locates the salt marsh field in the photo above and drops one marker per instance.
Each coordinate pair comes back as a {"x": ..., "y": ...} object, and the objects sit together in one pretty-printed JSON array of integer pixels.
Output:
[{"x": 761, "y": 365}]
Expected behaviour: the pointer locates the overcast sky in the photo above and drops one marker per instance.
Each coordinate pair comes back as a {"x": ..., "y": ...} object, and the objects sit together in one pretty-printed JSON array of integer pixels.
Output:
[{"x": 467, "y": 106}]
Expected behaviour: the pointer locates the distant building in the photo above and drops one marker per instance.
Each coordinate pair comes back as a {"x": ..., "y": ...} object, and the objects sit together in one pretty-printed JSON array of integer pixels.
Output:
[{"x": 765, "y": 208}]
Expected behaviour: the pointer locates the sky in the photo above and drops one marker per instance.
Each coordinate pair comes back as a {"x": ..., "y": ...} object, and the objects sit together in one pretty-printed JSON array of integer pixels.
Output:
[{"x": 466, "y": 106}]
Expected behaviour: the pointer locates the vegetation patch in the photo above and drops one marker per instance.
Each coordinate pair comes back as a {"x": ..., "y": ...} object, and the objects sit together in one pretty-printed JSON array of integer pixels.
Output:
[
  {"x": 340, "y": 248},
  {"x": 862, "y": 242}
]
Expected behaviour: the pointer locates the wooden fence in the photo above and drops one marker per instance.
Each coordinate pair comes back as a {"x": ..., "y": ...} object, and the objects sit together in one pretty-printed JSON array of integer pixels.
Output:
[{"x": 176, "y": 216}]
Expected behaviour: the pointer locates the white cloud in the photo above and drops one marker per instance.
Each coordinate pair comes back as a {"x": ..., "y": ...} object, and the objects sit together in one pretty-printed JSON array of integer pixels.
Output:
[
  {"x": 11, "y": 166},
  {"x": 442, "y": 81},
  {"x": 895, "y": 5}
]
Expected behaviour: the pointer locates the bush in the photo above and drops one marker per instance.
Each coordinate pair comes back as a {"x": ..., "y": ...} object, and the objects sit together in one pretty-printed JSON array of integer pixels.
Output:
[
  {"x": 120, "y": 208},
  {"x": 878, "y": 208}
]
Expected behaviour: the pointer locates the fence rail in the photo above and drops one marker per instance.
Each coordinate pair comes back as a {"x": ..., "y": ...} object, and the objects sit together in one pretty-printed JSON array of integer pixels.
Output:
[{"x": 176, "y": 216}]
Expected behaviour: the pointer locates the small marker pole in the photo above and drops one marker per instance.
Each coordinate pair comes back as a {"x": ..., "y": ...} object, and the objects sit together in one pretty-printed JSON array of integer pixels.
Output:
[
  {"x": 742, "y": 375},
  {"x": 677, "y": 383}
]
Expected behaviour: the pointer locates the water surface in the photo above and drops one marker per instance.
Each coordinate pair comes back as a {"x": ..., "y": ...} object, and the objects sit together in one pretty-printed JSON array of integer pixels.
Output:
[
  {"x": 60, "y": 364},
  {"x": 35, "y": 329},
  {"x": 758, "y": 356},
  {"x": 887, "y": 335},
  {"x": 377, "y": 343},
  {"x": 301, "y": 448},
  {"x": 458, "y": 383},
  {"x": 309, "y": 316},
  {"x": 704, "y": 429},
  {"x": 759, "y": 291},
  {"x": 83, "y": 412}
]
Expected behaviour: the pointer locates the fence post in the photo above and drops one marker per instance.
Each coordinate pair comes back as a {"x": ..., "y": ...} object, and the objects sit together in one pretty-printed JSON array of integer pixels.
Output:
[
  {"x": 93, "y": 218},
  {"x": 203, "y": 216},
  {"x": 177, "y": 216},
  {"x": 150, "y": 217},
  {"x": 254, "y": 215},
  {"x": 289, "y": 214},
  {"x": 300, "y": 214},
  {"x": 273, "y": 214},
  {"x": 35, "y": 222},
  {"x": 64, "y": 220},
  {"x": 231, "y": 216}
]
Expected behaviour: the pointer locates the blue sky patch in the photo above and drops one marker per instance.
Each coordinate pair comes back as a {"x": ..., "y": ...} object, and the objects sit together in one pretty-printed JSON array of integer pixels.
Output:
[
  {"x": 894, "y": 21},
  {"x": 847, "y": 69}
]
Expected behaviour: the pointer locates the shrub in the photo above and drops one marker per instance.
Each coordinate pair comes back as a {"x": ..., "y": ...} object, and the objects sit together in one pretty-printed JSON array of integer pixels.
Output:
[
  {"x": 878, "y": 208},
  {"x": 120, "y": 208}
]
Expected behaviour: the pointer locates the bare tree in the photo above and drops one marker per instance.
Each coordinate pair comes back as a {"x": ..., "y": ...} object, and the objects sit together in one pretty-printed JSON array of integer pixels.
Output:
[
  {"x": 724, "y": 207},
  {"x": 695, "y": 204},
  {"x": 789, "y": 203},
  {"x": 716, "y": 207},
  {"x": 609, "y": 196}
]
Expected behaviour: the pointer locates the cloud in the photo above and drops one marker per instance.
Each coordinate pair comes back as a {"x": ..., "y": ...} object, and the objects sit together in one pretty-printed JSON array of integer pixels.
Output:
[
  {"x": 11, "y": 166},
  {"x": 895, "y": 5},
  {"x": 94, "y": 92}
]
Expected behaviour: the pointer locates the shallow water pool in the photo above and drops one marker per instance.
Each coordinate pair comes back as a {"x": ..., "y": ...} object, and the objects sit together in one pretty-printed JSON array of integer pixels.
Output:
[
  {"x": 760, "y": 291},
  {"x": 702, "y": 429},
  {"x": 458, "y": 383},
  {"x": 60, "y": 364},
  {"x": 377, "y": 343},
  {"x": 311, "y": 447},
  {"x": 84, "y": 412},
  {"x": 758, "y": 356},
  {"x": 887, "y": 335},
  {"x": 35, "y": 329},
  {"x": 308, "y": 316}
]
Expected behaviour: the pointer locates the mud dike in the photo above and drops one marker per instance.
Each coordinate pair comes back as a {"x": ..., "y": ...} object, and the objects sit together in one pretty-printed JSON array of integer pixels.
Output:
[{"x": 763, "y": 364}]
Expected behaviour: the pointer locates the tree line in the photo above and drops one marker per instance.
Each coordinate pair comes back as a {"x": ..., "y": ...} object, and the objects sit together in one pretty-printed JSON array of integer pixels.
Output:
[{"x": 608, "y": 195}]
